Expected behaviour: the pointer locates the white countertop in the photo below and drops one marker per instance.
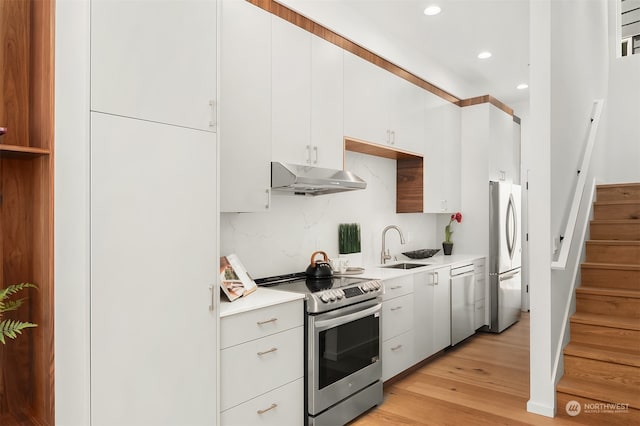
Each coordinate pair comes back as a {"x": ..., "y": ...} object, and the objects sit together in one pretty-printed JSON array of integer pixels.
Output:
[
  {"x": 264, "y": 297},
  {"x": 260, "y": 298},
  {"x": 381, "y": 273}
]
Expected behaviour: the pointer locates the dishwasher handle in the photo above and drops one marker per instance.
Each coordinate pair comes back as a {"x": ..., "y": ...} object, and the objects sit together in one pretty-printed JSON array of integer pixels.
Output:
[{"x": 462, "y": 270}]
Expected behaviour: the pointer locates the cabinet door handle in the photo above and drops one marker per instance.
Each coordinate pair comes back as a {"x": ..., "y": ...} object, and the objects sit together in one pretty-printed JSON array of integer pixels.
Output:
[
  {"x": 268, "y": 199},
  {"x": 436, "y": 278},
  {"x": 308, "y": 154},
  {"x": 396, "y": 348},
  {"x": 271, "y": 407},
  {"x": 388, "y": 136},
  {"x": 315, "y": 150},
  {"x": 267, "y": 351},
  {"x": 393, "y": 137},
  {"x": 212, "y": 122},
  {"x": 395, "y": 287},
  {"x": 396, "y": 308},
  {"x": 267, "y": 321}
]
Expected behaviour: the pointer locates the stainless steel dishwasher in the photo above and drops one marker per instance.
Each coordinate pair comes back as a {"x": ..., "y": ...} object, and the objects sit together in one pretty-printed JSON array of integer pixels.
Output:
[{"x": 462, "y": 303}]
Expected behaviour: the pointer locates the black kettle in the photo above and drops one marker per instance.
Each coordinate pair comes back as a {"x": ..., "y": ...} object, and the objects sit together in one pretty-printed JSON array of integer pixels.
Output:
[{"x": 321, "y": 268}]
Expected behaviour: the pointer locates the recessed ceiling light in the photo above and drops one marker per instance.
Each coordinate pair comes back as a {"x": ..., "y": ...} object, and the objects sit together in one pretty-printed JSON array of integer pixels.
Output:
[
  {"x": 484, "y": 55},
  {"x": 432, "y": 10},
  {"x": 522, "y": 86}
]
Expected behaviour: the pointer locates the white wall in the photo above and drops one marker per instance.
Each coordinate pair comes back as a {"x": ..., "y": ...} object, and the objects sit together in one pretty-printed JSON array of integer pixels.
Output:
[
  {"x": 71, "y": 228},
  {"x": 282, "y": 240}
]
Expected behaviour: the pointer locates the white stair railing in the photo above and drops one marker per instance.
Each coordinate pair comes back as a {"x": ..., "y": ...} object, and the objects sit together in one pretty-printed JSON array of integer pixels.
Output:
[{"x": 567, "y": 238}]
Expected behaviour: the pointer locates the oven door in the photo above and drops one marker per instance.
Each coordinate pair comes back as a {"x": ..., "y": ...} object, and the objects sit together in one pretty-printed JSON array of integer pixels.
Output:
[{"x": 343, "y": 354}]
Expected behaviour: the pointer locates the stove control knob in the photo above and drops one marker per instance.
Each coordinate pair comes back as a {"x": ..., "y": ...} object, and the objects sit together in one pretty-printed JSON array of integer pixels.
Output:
[
  {"x": 376, "y": 285},
  {"x": 332, "y": 296},
  {"x": 364, "y": 288},
  {"x": 339, "y": 294},
  {"x": 324, "y": 298}
]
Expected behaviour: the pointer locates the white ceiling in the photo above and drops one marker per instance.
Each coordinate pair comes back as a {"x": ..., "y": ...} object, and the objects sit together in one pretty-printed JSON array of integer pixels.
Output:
[{"x": 442, "y": 49}]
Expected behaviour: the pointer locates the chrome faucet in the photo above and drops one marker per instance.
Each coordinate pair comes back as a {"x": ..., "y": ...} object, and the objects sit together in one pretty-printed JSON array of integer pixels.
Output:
[{"x": 384, "y": 256}]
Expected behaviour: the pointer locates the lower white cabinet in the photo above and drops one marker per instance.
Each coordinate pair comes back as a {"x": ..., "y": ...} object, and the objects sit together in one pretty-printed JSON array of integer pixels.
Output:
[
  {"x": 481, "y": 316},
  {"x": 262, "y": 366},
  {"x": 441, "y": 317},
  {"x": 397, "y": 354},
  {"x": 281, "y": 406},
  {"x": 397, "y": 326}
]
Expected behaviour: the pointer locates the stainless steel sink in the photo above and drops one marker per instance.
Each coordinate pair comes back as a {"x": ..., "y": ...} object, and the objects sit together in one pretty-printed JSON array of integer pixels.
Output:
[{"x": 404, "y": 266}]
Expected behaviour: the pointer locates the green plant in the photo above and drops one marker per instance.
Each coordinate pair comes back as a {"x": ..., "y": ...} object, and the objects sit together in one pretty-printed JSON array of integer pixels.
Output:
[
  {"x": 349, "y": 238},
  {"x": 8, "y": 327},
  {"x": 447, "y": 229}
]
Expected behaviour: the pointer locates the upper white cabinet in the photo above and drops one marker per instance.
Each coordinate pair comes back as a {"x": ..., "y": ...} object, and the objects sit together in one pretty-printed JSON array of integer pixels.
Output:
[
  {"x": 381, "y": 107},
  {"x": 155, "y": 60},
  {"x": 327, "y": 110},
  {"x": 245, "y": 107},
  {"x": 442, "y": 156},
  {"x": 291, "y": 93},
  {"x": 153, "y": 333},
  {"x": 502, "y": 162}
]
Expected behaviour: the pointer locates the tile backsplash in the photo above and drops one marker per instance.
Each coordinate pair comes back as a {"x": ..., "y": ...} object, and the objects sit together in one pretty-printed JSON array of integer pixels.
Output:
[{"x": 283, "y": 239}]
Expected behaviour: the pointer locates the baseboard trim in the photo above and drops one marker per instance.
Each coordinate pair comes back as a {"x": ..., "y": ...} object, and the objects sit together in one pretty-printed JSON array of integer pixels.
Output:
[{"x": 541, "y": 409}]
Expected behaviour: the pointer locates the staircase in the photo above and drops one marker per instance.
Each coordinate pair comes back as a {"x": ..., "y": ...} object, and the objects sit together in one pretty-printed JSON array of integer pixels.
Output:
[{"x": 602, "y": 360}]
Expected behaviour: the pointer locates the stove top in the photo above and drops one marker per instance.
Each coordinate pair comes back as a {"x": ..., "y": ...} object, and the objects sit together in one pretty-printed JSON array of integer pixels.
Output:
[{"x": 324, "y": 294}]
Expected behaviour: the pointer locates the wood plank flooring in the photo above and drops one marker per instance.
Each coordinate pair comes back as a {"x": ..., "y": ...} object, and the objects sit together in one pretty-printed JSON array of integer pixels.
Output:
[{"x": 483, "y": 381}]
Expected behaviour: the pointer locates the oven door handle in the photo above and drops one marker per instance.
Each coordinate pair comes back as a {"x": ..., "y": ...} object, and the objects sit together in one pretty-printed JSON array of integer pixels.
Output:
[{"x": 330, "y": 323}]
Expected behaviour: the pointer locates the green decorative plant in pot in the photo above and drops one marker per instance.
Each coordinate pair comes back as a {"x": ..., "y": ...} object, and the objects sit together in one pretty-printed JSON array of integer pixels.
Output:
[
  {"x": 447, "y": 244},
  {"x": 349, "y": 243},
  {"x": 8, "y": 327}
]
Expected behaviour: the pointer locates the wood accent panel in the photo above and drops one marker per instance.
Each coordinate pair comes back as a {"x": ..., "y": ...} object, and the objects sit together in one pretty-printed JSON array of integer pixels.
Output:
[
  {"x": 26, "y": 205},
  {"x": 483, "y": 100},
  {"x": 410, "y": 186},
  {"x": 315, "y": 28},
  {"x": 363, "y": 147}
]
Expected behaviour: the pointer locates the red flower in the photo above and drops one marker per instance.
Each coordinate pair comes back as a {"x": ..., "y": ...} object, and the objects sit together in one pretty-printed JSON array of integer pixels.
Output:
[{"x": 457, "y": 217}]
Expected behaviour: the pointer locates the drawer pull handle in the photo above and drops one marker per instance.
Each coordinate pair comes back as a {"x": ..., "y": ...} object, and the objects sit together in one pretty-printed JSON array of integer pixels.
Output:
[
  {"x": 267, "y": 321},
  {"x": 271, "y": 407},
  {"x": 395, "y": 287},
  {"x": 396, "y": 348},
  {"x": 267, "y": 351},
  {"x": 396, "y": 308}
]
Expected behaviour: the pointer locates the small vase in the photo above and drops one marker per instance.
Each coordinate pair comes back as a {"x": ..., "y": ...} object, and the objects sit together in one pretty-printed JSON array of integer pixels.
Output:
[{"x": 447, "y": 247}]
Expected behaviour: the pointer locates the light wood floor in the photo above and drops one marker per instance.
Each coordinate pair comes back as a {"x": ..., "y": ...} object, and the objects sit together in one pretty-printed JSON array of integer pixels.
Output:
[{"x": 483, "y": 381}]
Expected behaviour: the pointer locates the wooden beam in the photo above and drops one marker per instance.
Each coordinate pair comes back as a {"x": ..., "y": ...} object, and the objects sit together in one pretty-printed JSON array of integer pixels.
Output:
[
  {"x": 483, "y": 100},
  {"x": 364, "y": 147}
]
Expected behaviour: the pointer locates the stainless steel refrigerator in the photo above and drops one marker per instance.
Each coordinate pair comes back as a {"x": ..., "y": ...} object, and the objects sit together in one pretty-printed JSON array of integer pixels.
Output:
[{"x": 505, "y": 249}]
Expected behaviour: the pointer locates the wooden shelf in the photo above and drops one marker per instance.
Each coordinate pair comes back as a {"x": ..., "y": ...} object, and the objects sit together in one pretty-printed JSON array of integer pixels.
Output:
[{"x": 21, "y": 151}]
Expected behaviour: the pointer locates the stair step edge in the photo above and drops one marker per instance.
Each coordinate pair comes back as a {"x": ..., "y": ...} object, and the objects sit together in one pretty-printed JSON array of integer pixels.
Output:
[
  {"x": 603, "y": 392},
  {"x": 596, "y": 265},
  {"x": 606, "y": 321},
  {"x": 603, "y": 353},
  {"x": 631, "y": 201},
  {"x": 614, "y": 242},
  {"x": 615, "y": 221},
  {"x": 603, "y": 291}
]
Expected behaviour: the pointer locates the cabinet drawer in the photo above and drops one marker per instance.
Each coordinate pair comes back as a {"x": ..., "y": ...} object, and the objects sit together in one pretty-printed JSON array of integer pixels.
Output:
[
  {"x": 479, "y": 313},
  {"x": 480, "y": 288},
  {"x": 258, "y": 366},
  {"x": 246, "y": 326},
  {"x": 397, "y": 355},
  {"x": 283, "y": 406},
  {"x": 397, "y": 287},
  {"x": 397, "y": 316}
]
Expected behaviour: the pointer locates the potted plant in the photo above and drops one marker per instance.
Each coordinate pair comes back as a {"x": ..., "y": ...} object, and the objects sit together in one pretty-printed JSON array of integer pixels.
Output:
[
  {"x": 349, "y": 243},
  {"x": 8, "y": 327},
  {"x": 447, "y": 244}
]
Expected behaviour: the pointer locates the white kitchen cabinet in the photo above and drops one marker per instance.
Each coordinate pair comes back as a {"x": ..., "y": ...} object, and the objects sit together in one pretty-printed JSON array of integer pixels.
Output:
[
  {"x": 291, "y": 93},
  {"x": 381, "y": 107},
  {"x": 501, "y": 146},
  {"x": 397, "y": 354},
  {"x": 245, "y": 107},
  {"x": 442, "y": 155},
  {"x": 153, "y": 333},
  {"x": 441, "y": 316},
  {"x": 262, "y": 366},
  {"x": 397, "y": 326},
  {"x": 155, "y": 60},
  {"x": 327, "y": 104},
  {"x": 423, "y": 315},
  {"x": 481, "y": 291}
]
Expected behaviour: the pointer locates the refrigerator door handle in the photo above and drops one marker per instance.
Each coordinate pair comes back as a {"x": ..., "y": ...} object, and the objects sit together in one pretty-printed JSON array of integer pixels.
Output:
[
  {"x": 508, "y": 275},
  {"x": 511, "y": 231}
]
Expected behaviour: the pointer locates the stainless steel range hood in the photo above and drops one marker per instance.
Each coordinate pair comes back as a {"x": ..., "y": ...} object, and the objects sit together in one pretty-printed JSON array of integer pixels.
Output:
[{"x": 311, "y": 181}]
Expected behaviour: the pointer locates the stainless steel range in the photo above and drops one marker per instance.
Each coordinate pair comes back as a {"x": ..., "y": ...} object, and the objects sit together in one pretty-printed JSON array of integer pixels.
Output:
[{"x": 343, "y": 369}]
